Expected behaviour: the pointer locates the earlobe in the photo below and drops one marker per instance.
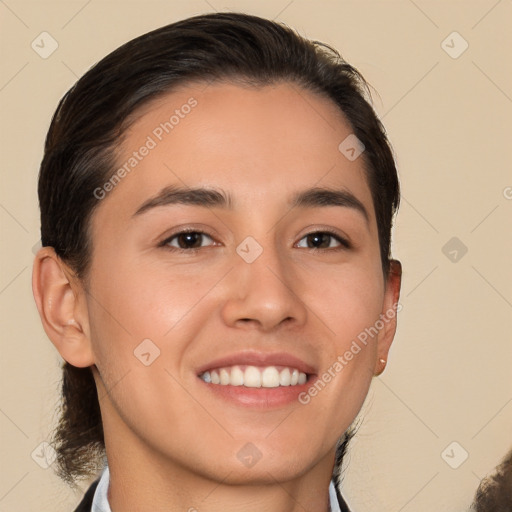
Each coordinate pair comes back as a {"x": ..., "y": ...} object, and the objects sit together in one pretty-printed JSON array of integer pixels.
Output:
[
  {"x": 381, "y": 366},
  {"x": 388, "y": 315},
  {"x": 63, "y": 311}
]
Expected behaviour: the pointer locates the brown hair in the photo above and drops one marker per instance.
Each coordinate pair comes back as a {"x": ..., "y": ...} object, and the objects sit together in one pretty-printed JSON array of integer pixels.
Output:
[{"x": 494, "y": 493}]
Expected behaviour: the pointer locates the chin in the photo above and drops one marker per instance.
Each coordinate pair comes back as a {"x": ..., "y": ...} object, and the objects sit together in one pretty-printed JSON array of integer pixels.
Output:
[{"x": 263, "y": 472}]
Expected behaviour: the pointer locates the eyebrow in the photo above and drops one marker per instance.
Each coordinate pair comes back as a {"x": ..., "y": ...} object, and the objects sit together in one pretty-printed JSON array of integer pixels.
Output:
[{"x": 208, "y": 197}]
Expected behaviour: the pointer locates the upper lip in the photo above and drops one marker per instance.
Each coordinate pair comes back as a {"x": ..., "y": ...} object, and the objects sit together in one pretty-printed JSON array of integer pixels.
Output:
[{"x": 254, "y": 358}]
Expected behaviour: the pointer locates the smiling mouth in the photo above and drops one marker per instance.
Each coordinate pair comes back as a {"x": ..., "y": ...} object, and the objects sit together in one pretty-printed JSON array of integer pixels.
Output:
[{"x": 255, "y": 376}]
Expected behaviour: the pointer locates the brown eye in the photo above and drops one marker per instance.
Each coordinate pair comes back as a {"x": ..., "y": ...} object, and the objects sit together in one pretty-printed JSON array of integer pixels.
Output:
[
  {"x": 324, "y": 240},
  {"x": 186, "y": 240}
]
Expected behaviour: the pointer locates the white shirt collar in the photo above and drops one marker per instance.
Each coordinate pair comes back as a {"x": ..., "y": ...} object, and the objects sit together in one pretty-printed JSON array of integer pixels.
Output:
[
  {"x": 100, "y": 500},
  {"x": 333, "y": 499}
]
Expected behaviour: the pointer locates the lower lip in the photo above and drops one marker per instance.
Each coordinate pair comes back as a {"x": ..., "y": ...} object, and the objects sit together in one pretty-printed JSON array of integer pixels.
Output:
[{"x": 264, "y": 398}]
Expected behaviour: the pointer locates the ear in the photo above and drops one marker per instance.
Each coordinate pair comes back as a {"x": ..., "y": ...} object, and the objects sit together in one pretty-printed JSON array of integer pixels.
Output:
[
  {"x": 60, "y": 300},
  {"x": 390, "y": 309}
]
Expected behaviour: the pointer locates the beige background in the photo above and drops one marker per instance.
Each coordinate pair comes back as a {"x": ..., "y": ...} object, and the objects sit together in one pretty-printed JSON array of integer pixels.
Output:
[{"x": 448, "y": 377}]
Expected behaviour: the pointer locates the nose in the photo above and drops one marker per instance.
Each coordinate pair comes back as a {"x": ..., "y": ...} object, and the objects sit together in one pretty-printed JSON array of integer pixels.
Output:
[{"x": 264, "y": 294}]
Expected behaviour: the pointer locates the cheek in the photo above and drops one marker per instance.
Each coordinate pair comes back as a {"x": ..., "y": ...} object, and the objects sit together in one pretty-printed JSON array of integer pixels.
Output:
[
  {"x": 349, "y": 302},
  {"x": 138, "y": 309},
  {"x": 147, "y": 301},
  {"x": 348, "y": 299},
  {"x": 140, "y": 328}
]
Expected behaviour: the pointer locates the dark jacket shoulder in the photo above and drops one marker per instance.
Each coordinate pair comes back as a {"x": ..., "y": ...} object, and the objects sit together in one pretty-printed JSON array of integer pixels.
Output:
[
  {"x": 342, "y": 503},
  {"x": 86, "y": 504}
]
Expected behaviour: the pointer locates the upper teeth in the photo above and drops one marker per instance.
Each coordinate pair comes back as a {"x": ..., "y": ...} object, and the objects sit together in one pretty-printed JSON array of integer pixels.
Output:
[{"x": 254, "y": 376}]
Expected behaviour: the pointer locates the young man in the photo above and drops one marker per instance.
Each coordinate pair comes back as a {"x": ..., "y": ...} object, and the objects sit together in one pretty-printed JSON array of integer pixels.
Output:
[{"x": 216, "y": 203}]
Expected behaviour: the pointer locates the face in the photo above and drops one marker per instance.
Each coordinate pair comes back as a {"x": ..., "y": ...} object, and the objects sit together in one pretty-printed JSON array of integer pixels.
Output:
[{"x": 257, "y": 280}]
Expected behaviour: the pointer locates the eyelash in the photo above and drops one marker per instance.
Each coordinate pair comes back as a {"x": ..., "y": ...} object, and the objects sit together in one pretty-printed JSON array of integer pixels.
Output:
[{"x": 165, "y": 243}]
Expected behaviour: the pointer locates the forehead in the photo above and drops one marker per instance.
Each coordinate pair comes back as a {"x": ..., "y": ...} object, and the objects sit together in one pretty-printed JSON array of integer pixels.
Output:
[{"x": 261, "y": 144}]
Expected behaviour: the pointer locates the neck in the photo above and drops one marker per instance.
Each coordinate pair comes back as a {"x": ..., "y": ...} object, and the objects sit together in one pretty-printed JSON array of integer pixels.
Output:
[{"x": 142, "y": 479}]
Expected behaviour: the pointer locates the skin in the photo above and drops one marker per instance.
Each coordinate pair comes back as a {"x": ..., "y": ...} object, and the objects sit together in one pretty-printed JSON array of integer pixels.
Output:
[{"x": 171, "y": 444}]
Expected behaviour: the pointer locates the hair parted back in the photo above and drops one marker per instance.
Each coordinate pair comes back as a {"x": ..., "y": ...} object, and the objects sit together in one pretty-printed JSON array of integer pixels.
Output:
[{"x": 93, "y": 116}]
